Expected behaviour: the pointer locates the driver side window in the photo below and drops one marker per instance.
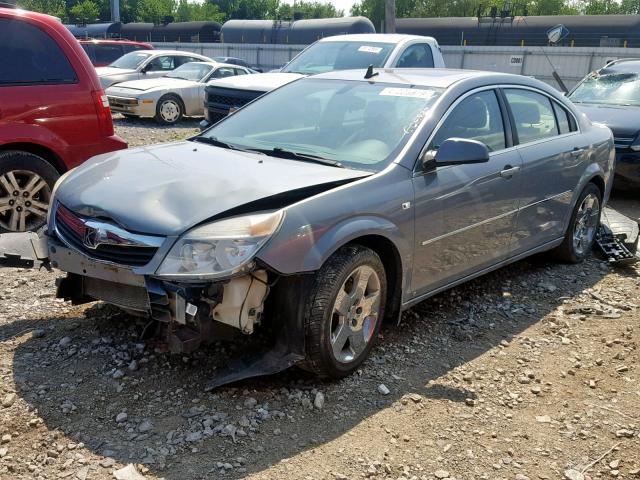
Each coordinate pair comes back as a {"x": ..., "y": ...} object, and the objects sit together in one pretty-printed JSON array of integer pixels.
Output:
[
  {"x": 161, "y": 63},
  {"x": 477, "y": 117}
]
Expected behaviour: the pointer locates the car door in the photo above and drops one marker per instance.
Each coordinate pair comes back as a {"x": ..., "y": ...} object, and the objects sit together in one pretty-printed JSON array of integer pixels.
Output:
[
  {"x": 465, "y": 214},
  {"x": 418, "y": 55},
  {"x": 159, "y": 66},
  {"x": 552, "y": 152}
]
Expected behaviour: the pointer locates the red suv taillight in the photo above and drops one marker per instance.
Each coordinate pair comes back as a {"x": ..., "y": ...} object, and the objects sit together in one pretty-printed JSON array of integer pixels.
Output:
[{"x": 104, "y": 113}]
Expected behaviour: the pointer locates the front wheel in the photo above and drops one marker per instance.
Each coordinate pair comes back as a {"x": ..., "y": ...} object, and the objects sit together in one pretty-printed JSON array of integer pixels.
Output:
[
  {"x": 583, "y": 226},
  {"x": 346, "y": 310},
  {"x": 169, "y": 110}
]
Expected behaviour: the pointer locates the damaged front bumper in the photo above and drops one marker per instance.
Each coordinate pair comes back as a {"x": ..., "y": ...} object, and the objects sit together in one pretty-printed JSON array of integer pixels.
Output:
[{"x": 192, "y": 314}]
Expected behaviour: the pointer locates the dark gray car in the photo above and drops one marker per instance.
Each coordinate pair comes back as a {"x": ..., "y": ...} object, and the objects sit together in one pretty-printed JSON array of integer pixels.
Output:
[{"x": 330, "y": 204}]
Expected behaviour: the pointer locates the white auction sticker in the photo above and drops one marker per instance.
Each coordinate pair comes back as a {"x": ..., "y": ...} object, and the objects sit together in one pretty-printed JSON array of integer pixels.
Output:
[
  {"x": 407, "y": 92},
  {"x": 368, "y": 49}
]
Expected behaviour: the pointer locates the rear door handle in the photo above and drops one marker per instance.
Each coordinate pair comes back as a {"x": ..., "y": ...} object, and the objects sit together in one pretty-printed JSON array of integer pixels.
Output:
[
  {"x": 576, "y": 152},
  {"x": 509, "y": 171}
]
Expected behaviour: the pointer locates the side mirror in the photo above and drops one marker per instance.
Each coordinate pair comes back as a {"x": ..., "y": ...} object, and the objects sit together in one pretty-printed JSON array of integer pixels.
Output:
[
  {"x": 146, "y": 68},
  {"x": 456, "y": 151}
]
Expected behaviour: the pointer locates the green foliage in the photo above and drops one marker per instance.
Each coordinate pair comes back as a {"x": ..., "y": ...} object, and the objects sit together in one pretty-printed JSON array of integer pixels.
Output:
[
  {"x": 57, "y": 8},
  {"x": 85, "y": 11}
]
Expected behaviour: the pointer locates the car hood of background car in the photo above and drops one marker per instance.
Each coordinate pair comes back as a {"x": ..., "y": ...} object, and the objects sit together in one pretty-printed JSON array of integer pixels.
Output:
[
  {"x": 623, "y": 121},
  {"x": 260, "y": 82},
  {"x": 167, "y": 189},
  {"x": 155, "y": 83},
  {"x": 108, "y": 71}
]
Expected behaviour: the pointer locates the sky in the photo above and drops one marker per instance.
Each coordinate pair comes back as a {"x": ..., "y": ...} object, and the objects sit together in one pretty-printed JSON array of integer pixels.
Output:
[{"x": 339, "y": 4}]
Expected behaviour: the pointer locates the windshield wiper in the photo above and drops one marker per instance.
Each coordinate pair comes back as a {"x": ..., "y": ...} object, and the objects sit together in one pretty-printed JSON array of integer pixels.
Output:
[
  {"x": 290, "y": 154},
  {"x": 216, "y": 143}
]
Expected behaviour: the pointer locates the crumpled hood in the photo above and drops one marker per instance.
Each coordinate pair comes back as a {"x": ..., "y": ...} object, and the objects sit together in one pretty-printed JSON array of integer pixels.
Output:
[
  {"x": 623, "y": 121},
  {"x": 151, "y": 83},
  {"x": 259, "y": 82},
  {"x": 167, "y": 189},
  {"x": 108, "y": 71}
]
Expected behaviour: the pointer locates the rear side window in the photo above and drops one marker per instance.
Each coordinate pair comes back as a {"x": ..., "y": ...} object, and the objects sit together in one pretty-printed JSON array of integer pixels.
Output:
[
  {"x": 31, "y": 57},
  {"x": 416, "y": 56},
  {"x": 565, "y": 125},
  {"x": 132, "y": 48},
  {"x": 107, "y": 53},
  {"x": 532, "y": 114}
]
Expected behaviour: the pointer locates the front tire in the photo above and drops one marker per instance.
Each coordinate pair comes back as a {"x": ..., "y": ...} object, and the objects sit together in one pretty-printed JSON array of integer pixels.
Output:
[
  {"x": 345, "y": 311},
  {"x": 169, "y": 110},
  {"x": 583, "y": 226},
  {"x": 26, "y": 183}
]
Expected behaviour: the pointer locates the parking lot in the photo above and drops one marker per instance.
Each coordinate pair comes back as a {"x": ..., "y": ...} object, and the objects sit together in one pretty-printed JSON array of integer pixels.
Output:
[{"x": 529, "y": 372}]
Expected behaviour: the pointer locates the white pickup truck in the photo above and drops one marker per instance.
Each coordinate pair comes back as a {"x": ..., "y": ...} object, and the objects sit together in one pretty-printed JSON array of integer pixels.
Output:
[{"x": 341, "y": 52}]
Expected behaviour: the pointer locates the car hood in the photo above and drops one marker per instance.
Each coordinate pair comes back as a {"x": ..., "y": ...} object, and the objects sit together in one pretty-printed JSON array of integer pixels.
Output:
[
  {"x": 259, "y": 82},
  {"x": 167, "y": 189},
  {"x": 108, "y": 71},
  {"x": 155, "y": 83},
  {"x": 623, "y": 121}
]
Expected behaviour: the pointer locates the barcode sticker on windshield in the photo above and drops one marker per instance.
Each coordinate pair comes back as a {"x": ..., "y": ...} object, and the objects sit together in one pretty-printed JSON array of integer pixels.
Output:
[
  {"x": 368, "y": 49},
  {"x": 407, "y": 92}
]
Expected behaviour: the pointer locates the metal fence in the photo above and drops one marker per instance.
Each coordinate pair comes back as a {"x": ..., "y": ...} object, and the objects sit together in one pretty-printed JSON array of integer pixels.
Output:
[{"x": 571, "y": 63}]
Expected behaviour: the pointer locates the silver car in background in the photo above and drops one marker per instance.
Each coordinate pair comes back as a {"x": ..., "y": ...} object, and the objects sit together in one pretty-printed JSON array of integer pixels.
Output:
[
  {"x": 145, "y": 64},
  {"x": 330, "y": 204},
  {"x": 172, "y": 96}
]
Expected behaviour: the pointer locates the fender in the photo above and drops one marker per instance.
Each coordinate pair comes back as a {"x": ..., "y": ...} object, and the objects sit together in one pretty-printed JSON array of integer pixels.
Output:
[{"x": 35, "y": 135}]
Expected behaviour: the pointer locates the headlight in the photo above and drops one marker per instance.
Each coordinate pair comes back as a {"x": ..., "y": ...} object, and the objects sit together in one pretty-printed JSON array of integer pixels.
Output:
[{"x": 220, "y": 248}]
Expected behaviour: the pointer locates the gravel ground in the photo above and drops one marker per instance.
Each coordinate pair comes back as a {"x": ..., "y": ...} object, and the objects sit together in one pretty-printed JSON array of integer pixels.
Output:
[{"x": 531, "y": 372}]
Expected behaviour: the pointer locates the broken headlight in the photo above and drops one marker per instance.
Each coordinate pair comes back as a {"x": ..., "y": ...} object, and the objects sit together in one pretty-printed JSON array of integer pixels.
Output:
[{"x": 220, "y": 248}]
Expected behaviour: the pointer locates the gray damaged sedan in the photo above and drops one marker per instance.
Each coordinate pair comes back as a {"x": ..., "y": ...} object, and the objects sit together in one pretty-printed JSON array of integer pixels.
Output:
[{"x": 330, "y": 204}]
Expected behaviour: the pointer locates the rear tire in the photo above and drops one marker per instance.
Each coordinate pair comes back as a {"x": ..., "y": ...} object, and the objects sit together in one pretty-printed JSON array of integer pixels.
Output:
[
  {"x": 26, "y": 183},
  {"x": 169, "y": 110},
  {"x": 583, "y": 226},
  {"x": 344, "y": 312}
]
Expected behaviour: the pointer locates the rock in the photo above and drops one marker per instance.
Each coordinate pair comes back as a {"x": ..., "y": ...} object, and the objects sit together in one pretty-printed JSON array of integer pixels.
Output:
[
  {"x": 614, "y": 464},
  {"x": 623, "y": 432},
  {"x": 471, "y": 402},
  {"x": 250, "y": 403},
  {"x": 622, "y": 369},
  {"x": 318, "y": 402},
  {"x": 383, "y": 390},
  {"x": 145, "y": 426},
  {"x": 572, "y": 474},
  {"x": 118, "y": 374},
  {"x": 6, "y": 438},
  {"x": 121, "y": 417},
  {"x": 441, "y": 474},
  {"x": 193, "y": 437},
  {"x": 38, "y": 333},
  {"x": 277, "y": 431},
  {"x": 107, "y": 462},
  {"x": 520, "y": 476},
  {"x": 3, "y": 452},
  {"x": 128, "y": 473},
  {"x": 536, "y": 390},
  {"x": 64, "y": 342},
  {"x": 8, "y": 400},
  {"x": 543, "y": 419},
  {"x": 133, "y": 366}
]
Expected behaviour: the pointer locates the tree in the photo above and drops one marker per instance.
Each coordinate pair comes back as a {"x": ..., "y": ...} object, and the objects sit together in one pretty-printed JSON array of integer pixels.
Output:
[
  {"x": 155, "y": 11},
  {"x": 601, "y": 7},
  {"x": 85, "y": 11},
  {"x": 57, "y": 8}
]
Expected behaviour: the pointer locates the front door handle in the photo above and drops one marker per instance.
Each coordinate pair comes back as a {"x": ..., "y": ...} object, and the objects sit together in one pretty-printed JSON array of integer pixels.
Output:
[
  {"x": 576, "y": 152},
  {"x": 509, "y": 171}
]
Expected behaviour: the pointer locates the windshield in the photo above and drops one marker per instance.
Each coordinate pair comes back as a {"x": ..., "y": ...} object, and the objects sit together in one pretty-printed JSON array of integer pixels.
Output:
[
  {"x": 190, "y": 71},
  {"x": 357, "y": 124},
  {"x": 328, "y": 56},
  {"x": 608, "y": 89},
  {"x": 131, "y": 60}
]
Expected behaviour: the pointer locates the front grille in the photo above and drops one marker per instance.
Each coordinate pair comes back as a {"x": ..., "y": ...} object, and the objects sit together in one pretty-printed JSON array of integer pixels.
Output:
[
  {"x": 127, "y": 296},
  {"x": 220, "y": 100},
  {"x": 122, "y": 103},
  {"x": 622, "y": 143},
  {"x": 72, "y": 230}
]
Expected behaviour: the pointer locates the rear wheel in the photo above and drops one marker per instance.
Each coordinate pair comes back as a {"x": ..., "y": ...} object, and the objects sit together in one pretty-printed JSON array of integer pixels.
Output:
[
  {"x": 26, "y": 182},
  {"x": 346, "y": 310},
  {"x": 583, "y": 226},
  {"x": 169, "y": 110}
]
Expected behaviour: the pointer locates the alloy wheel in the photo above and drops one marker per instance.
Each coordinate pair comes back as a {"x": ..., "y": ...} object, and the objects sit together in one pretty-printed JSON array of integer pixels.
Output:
[
  {"x": 586, "y": 224},
  {"x": 24, "y": 200},
  {"x": 170, "y": 111},
  {"x": 356, "y": 312}
]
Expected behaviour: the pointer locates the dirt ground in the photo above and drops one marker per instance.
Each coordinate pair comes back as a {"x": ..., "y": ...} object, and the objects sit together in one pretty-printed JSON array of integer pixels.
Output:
[{"x": 531, "y": 372}]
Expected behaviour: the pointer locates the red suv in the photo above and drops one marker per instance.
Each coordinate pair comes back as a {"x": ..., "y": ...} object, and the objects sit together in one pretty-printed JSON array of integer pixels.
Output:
[
  {"x": 53, "y": 114},
  {"x": 104, "y": 52}
]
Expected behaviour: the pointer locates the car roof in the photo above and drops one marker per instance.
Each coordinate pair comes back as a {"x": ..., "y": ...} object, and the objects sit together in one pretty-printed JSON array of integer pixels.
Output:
[
  {"x": 378, "y": 37},
  {"x": 631, "y": 65},
  {"x": 428, "y": 77},
  {"x": 110, "y": 41},
  {"x": 174, "y": 52}
]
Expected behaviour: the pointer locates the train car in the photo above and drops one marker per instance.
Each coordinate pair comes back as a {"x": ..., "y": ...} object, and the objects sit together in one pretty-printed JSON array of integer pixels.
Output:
[
  {"x": 184, "y": 32},
  {"x": 584, "y": 30},
  {"x": 299, "y": 32},
  {"x": 95, "y": 30}
]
